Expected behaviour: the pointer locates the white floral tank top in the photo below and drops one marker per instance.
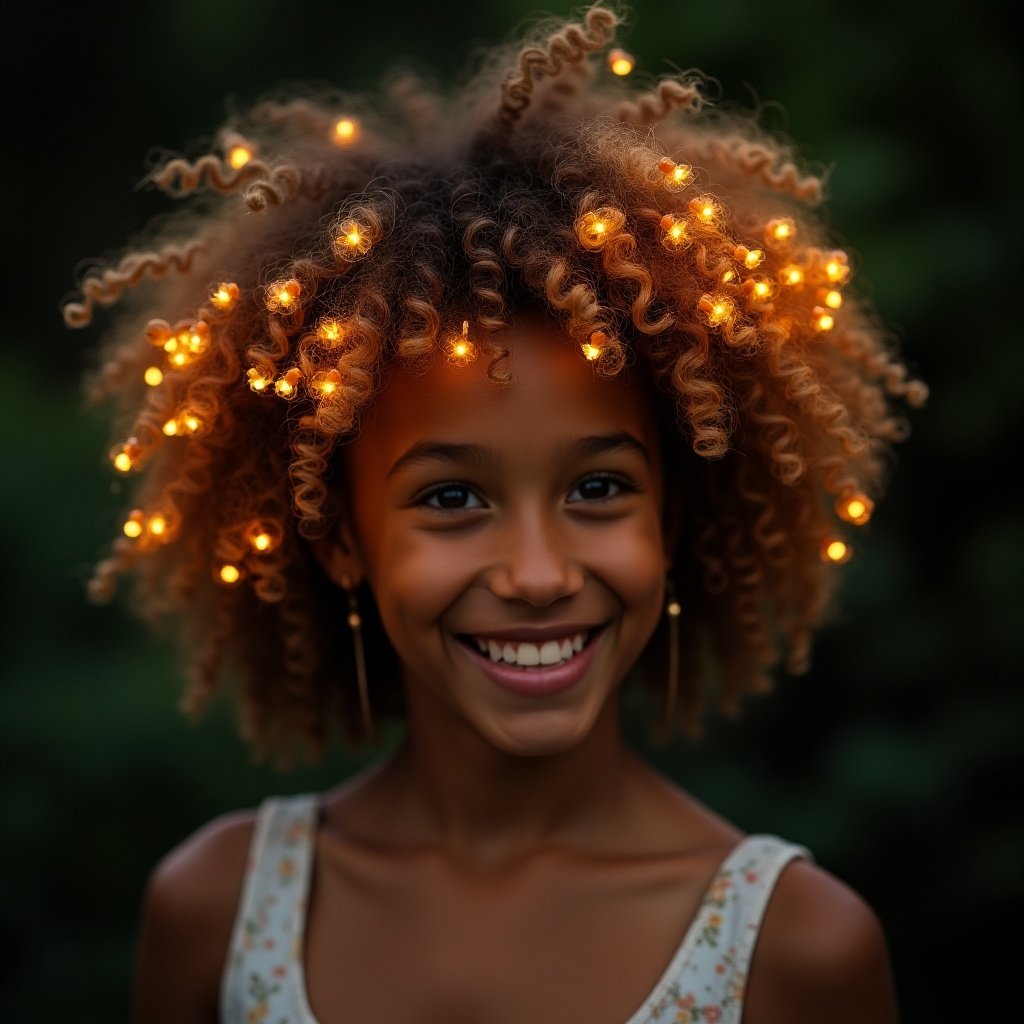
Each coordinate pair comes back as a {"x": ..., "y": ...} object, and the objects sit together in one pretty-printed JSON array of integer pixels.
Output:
[{"x": 263, "y": 978}]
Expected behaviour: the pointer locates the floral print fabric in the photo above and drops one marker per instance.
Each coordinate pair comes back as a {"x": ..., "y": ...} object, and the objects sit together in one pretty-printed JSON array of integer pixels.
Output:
[{"x": 263, "y": 981}]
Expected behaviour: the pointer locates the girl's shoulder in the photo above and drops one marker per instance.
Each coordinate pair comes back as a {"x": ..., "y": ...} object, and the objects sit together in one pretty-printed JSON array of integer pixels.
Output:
[{"x": 188, "y": 911}]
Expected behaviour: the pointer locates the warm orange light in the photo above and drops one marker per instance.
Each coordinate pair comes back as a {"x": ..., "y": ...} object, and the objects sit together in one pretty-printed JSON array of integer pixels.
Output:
[
  {"x": 758, "y": 288},
  {"x": 352, "y": 239},
  {"x": 705, "y": 209},
  {"x": 717, "y": 309},
  {"x": 836, "y": 551},
  {"x": 750, "y": 258},
  {"x": 287, "y": 384},
  {"x": 124, "y": 456},
  {"x": 837, "y": 267},
  {"x": 156, "y": 525},
  {"x": 593, "y": 229},
  {"x": 822, "y": 319},
  {"x": 283, "y": 295},
  {"x": 592, "y": 349},
  {"x": 225, "y": 295},
  {"x": 326, "y": 383},
  {"x": 345, "y": 131},
  {"x": 170, "y": 428},
  {"x": 677, "y": 176},
  {"x": 830, "y": 297},
  {"x": 675, "y": 236},
  {"x": 330, "y": 332},
  {"x": 134, "y": 524},
  {"x": 855, "y": 508},
  {"x": 239, "y": 156},
  {"x": 229, "y": 574},
  {"x": 258, "y": 381},
  {"x": 459, "y": 349},
  {"x": 153, "y": 376},
  {"x": 791, "y": 276},
  {"x": 620, "y": 62},
  {"x": 263, "y": 537},
  {"x": 779, "y": 231}
]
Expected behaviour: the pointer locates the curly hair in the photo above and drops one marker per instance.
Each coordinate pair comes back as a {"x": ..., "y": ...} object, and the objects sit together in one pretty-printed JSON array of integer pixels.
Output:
[{"x": 329, "y": 236}]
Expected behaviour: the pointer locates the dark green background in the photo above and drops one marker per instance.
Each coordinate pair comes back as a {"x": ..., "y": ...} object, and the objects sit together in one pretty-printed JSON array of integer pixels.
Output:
[{"x": 897, "y": 760}]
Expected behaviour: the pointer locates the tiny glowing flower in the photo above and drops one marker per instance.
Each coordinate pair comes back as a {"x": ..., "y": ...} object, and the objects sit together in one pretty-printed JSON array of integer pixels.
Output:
[
  {"x": 352, "y": 239},
  {"x": 283, "y": 295},
  {"x": 287, "y": 384},
  {"x": 705, "y": 209},
  {"x": 717, "y": 309},
  {"x": 258, "y": 381},
  {"x": 677, "y": 176},
  {"x": 225, "y": 295},
  {"x": 779, "y": 232},
  {"x": 593, "y": 229},
  {"x": 325, "y": 383},
  {"x": 758, "y": 289},
  {"x": 330, "y": 332},
  {"x": 592, "y": 349},
  {"x": 459, "y": 349},
  {"x": 750, "y": 258},
  {"x": 620, "y": 62},
  {"x": 676, "y": 235}
]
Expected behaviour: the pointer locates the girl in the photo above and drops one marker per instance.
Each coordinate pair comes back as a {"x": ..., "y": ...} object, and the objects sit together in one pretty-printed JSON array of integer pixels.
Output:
[{"x": 468, "y": 411}]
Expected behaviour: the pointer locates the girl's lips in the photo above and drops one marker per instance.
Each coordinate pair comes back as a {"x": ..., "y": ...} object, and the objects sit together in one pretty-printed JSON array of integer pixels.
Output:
[{"x": 542, "y": 681}]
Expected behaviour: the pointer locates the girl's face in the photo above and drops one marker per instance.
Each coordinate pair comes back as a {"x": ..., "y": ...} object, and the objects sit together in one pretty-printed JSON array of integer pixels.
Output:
[{"x": 512, "y": 538}]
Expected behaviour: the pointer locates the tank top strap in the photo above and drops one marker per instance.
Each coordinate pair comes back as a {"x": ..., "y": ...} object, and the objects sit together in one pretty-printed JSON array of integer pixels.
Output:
[
  {"x": 707, "y": 978},
  {"x": 265, "y": 955}
]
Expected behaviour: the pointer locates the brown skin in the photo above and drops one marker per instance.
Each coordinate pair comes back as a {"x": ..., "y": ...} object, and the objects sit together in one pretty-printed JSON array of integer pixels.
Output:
[{"x": 513, "y": 849}]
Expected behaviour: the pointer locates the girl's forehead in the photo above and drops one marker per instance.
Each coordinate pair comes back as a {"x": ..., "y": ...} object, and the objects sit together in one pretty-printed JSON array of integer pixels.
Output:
[{"x": 555, "y": 395}]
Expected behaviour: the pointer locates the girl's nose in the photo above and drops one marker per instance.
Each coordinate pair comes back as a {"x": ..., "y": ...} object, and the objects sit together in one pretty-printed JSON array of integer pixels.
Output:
[{"x": 535, "y": 564}]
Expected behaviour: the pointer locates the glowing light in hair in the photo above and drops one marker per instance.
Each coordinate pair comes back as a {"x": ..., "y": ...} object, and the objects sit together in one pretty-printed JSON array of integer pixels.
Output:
[
  {"x": 792, "y": 276},
  {"x": 830, "y": 297},
  {"x": 759, "y": 288},
  {"x": 458, "y": 348},
  {"x": 593, "y": 349},
  {"x": 677, "y": 176},
  {"x": 352, "y": 239},
  {"x": 705, "y": 209},
  {"x": 331, "y": 332},
  {"x": 779, "y": 231},
  {"x": 239, "y": 155},
  {"x": 153, "y": 376},
  {"x": 283, "y": 295},
  {"x": 717, "y": 309},
  {"x": 124, "y": 457},
  {"x": 676, "y": 236},
  {"x": 326, "y": 383},
  {"x": 750, "y": 258},
  {"x": 822, "y": 319},
  {"x": 184, "y": 424},
  {"x": 593, "y": 229},
  {"x": 344, "y": 131},
  {"x": 837, "y": 267},
  {"x": 855, "y": 508},
  {"x": 229, "y": 573},
  {"x": 620, "y": 62},
  {"x": 224, "y": 295},
  {"x": 287, "y": 384},
  {"x": 263, "y": 537},
  {"x": 135, "y": 524},
  {"x": 156, "y": 525},
  {"x": 836, "y": 550},
  {"x": 258, "y": 381}
]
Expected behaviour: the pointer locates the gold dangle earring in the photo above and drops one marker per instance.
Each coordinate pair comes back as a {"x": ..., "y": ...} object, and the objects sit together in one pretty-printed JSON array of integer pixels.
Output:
[
  {"x": 356, "y": 625},
  {"x": 673, "y": 610}
]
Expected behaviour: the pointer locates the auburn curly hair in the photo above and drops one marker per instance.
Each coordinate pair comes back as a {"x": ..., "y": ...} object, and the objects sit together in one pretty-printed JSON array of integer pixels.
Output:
[{"x": 330, "y": 235}]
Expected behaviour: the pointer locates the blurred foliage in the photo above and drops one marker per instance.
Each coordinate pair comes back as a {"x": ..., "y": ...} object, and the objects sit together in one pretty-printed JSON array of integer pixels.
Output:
[{"x": 897, "y": 760}]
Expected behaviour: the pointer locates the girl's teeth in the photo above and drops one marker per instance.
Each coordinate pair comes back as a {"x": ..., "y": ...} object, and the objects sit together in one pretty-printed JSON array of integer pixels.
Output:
[{"x": 529, "y": 655}]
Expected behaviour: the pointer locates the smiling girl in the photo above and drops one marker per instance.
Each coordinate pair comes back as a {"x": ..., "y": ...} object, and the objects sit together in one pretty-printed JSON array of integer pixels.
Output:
[{"x": 466, "y": 412}]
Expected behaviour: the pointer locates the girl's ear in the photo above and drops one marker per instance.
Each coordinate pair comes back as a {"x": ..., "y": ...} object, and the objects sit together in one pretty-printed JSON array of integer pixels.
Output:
[{"x": 338, "y": 555}]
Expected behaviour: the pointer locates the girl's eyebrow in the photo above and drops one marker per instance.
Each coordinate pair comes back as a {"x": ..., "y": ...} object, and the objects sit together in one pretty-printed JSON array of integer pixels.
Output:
[{"x": 584, "y": 447}]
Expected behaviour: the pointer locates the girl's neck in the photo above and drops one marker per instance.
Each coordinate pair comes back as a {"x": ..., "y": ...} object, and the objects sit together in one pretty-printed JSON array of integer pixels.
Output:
[{"x": 451, "y": 788}]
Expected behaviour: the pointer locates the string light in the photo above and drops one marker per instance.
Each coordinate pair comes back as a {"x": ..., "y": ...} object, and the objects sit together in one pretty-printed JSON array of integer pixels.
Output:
[
  {"x": 677, "y": 176},
  {"x": 855, "y": 508},
  {"x": 352, "y": 239},
  {"x": 325, "y": 383},
  {"x": 156, "y": 526},
  {"x": 593, "y": 349},
  {"x": 717, "y": 309},
  {"x": 287, "y": 384},
  {"x": 224, "y": 295},
  {"x": 779, "y": 232},
  {"x": 758, "y": 289},
  {"x": 792, "y": 276},
  {"x": 258, "y": 381},
  {"x": 830, "y": 297},
  {"x": 675, "y": 236},
  {"x": 837, "y": 267},
  {"x": 263, "y": 537},
  {"x": 594, "y": 229},
  {"x": 124, "y": 457},
  {"x": 184, "y": 424},
  {"x": 283, "y": 295},
  {"x": 705, "y": 209},
  {"x": 135, "y": 524},
  {"x": 344, "y": 131},
  {"x": 750, "y": 258},
  {"x": 459, "y": 349},
  {"x": 836, "y": 551},
  {"x": 153, "y": 376},
  {"x": 239, "y": 155},
  {"x": 229, "y": 573},
  {"x": 620, "y": 62},
  {"x": 330, "y": 332},
  {"x": 822, "y": 319}
]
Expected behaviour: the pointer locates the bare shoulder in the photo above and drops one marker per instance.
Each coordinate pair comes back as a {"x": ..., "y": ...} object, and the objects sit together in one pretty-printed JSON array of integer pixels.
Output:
[
  {"x": 821, "y": 955},
  {"x": 188, "y": 913}
]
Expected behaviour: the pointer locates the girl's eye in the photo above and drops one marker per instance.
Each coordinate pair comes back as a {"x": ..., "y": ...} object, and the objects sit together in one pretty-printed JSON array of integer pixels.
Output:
[
  {"x": 451, "y": 498},
  {"x": 599, "y": 488}
]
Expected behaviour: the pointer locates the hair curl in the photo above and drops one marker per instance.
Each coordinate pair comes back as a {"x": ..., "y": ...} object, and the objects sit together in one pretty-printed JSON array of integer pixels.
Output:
[{"x": 328, "y": 239}]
